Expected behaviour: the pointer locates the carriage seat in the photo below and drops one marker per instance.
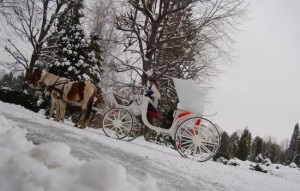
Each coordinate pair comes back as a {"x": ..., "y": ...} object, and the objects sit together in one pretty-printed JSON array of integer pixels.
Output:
[
  {"x": 179, "y": 112},
  {"x": 122, "y": 101}
]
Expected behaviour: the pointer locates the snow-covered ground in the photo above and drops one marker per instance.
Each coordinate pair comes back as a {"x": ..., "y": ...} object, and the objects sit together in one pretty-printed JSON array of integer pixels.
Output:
[{"x": 37, "y": 154}]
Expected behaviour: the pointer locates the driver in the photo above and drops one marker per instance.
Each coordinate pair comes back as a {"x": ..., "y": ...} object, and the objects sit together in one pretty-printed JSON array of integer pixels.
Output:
[{"x": 153, "y": 93}]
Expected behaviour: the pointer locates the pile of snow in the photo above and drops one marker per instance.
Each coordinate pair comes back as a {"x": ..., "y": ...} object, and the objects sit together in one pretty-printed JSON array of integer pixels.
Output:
[
  {"x": 266, "y": 166},
  {"x": 50, "y": 166},
  {"x": 293, "y": 165},
  {"x": 234, "y": 162}
]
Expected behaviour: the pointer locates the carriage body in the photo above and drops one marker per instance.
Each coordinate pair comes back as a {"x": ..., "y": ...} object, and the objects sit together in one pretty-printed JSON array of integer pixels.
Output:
[{"x": 194, "y": 136}]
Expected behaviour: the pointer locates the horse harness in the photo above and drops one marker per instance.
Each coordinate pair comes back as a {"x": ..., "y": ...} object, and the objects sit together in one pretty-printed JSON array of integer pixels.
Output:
[{"x": 53, "y": 87}]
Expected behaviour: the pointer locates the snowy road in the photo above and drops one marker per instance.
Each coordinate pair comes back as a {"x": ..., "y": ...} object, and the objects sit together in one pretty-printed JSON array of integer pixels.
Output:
[
  {"x": 88, "y": 149},
  {"x": 139, "y": 157}
]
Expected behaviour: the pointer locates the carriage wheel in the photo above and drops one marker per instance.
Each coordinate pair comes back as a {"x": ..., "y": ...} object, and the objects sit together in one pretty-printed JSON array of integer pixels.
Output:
[
  {"x": 135, "y": 132},
  {"x": 198, "y": 139},
  {"x": 117, "y": 123}
]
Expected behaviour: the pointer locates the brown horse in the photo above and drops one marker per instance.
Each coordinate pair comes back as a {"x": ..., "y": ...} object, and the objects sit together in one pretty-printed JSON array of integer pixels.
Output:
[{"x": 78, "y": 93}]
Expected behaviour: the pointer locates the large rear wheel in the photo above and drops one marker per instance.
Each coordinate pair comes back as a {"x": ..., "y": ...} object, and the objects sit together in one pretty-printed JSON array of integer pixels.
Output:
[
  {"x": 117, "y": 123},
  {"x": 198, "y": 139}
]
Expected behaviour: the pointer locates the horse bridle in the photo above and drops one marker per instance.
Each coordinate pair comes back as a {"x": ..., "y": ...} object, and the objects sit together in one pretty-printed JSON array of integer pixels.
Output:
[{"x": 39, "y": 84}]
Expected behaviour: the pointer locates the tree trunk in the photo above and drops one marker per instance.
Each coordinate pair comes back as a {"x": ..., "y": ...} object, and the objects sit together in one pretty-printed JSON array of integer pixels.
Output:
[{"x": 29, "y": 70}]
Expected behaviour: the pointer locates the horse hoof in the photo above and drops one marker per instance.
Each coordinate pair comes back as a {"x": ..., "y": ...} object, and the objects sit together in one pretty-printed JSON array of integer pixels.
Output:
[
  {"x": 76, "y": 125},
  {"x": 47, "y": 117}
]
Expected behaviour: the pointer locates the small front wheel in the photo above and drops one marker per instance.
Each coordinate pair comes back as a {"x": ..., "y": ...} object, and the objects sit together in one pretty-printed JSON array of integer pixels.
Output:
[
  {"x": 117, "y": 123},
  {"x": 198, "y": 139},
  {"x": 136, "y": 131}
]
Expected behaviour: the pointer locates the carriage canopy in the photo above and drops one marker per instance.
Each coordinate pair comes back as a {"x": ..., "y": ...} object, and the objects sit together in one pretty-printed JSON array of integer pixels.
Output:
[{"x": 190, "y": 95}]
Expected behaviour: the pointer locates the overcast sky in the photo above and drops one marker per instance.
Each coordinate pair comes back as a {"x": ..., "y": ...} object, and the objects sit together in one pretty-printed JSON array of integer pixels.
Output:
[{"x": 262, "y": 91}]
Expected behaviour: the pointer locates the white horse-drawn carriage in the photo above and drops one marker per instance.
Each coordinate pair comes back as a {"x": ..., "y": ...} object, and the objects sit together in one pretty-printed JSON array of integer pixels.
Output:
[{"x": 193, "y": 136}]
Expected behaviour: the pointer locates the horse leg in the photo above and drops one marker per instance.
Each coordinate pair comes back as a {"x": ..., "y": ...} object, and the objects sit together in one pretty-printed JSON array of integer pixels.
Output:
[
  {"x": 88, "y": 111},
  {"x": 79, "y": 122},
  {"x": 62, "y": 111},
  {"x": 52, "y": 106},
  {"x": 57, "y": 110}
]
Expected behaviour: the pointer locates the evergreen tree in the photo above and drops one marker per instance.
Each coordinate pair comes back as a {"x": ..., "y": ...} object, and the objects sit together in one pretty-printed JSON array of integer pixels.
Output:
[
  {"x": 76, "y": 58},
  {"x": 292, "y": 150},
  {"x": 272, "y": 153},
  {"x": 233, "y": 145},
  {"x": 296, "y": 158},
  {"x": 256, "y": 147},
  {"x": 244, "y": 145},
  {"x": 95, "y": 58},
  {"x": 224, "y": 146}
]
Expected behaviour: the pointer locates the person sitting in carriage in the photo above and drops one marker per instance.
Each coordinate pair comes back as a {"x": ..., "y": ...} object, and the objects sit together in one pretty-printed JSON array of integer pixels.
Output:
[{"x": 153, "y": 93}]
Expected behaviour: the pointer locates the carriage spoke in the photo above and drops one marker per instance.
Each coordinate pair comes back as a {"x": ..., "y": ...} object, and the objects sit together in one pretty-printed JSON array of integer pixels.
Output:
[
  {"x": 122, "y": 131},
  {"x": 124, "y": 127},
  {"x": 198, "y": 131},
  {"x": 107, "y": 124},
  {"x": 183, "y": 145},
  {"x": 186, "y": 143},
  {"x": 206, "y": 149},
  {"x": 124, "y": 116},
  {"x": 182, "y": 136},
  {"x": 109, "y": 119},
  {"x": 191, "y": 145},
  {"x": 199, "y": 148},
  {"x": 186, "y": 130},
  {"x": 113, "y": 128},
  {"x": 209, "y": 143},
  {"x": 126, "y": 122},
  {"x": 119, "y": 114},
  {"x": 194, "y": 153}
]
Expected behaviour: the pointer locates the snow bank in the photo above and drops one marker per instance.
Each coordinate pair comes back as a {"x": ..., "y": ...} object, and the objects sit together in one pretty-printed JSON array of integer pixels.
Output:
[
  {"x": 50, "y": 167},
  {"x": 266, "y": 166}
]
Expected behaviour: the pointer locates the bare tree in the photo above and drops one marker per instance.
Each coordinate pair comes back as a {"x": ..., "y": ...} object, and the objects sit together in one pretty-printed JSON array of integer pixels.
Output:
[
  {"x": 32, "y": 21},
  {"x": 103, "y": 14},
  {"x": 285, "y": 144},
  {"x": 194, "y": 31}
]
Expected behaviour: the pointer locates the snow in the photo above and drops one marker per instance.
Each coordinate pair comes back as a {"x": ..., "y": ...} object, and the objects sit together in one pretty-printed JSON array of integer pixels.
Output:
[
  {"x": 68, "y": 158},
  {"x": 86, "y": 77},
  {"x": 149, "y": 73},
  {"x": 293, "y": 165},
  {"x": 50, "y": 166},
  {"x": 70, "y": 68}
]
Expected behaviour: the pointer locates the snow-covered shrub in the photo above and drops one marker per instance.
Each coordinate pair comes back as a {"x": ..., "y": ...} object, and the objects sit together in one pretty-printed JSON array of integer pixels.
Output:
[
  {"x": 234, "y": 162},
  {"x": 259, "y": 158},
  {"x": 293, "y": 165},
  {"x": 26, "y": 100},
  {"x": 222, "y": 160},
  {"x": 260, "y": 168},
  {"x": 266, "y": 162}
]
